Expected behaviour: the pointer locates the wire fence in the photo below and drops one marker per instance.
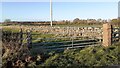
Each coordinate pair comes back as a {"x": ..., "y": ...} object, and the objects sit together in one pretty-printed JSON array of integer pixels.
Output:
[{"x": 115, "y": 35}]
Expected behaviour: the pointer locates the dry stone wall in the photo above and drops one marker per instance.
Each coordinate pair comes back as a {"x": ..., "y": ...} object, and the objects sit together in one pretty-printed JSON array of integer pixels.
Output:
[{"x": 95, "y": 32}]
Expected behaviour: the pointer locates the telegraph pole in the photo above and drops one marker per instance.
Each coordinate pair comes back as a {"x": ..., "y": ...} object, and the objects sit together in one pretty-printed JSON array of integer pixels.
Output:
[{"x": 51, "y": 16}]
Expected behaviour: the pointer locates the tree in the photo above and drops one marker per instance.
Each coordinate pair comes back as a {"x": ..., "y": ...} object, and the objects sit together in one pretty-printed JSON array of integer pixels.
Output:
[
  {"x": 115, "y": 22},
  {"x": 7, "y": 20},
  {"x": 76, "y": 20},
  {"x": 67, "y": 22}
]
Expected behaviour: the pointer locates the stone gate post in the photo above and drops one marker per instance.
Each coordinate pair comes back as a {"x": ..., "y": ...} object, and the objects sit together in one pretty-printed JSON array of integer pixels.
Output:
[{"x": 107, "y": 34}]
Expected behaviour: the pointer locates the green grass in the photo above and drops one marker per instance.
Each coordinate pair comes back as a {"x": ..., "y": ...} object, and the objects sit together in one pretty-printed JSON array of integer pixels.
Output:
[
  {"x": 44, "y": 37},
  {"x": 0, "y": 24},
  {"x": 89, "y": 56},
  {"x": 10, "y": 29},
  {"x": 39, "y": 37}
]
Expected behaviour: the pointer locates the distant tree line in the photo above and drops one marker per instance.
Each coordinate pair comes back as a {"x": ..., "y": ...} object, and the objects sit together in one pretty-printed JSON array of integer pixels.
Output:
[
  {"x": 65, "y": 22},
  {"x": 91, "y": 21}
]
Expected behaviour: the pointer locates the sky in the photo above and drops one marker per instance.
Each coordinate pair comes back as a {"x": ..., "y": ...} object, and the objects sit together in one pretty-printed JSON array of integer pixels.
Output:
[
  {"x": 119, "y": 9},
  {"x": 39, "y": 11},
  {"x": 60, "y": 0}
]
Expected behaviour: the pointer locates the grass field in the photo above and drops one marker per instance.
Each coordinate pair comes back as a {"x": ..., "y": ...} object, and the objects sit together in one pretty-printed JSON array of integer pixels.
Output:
[{"x": 40, "y": 37}]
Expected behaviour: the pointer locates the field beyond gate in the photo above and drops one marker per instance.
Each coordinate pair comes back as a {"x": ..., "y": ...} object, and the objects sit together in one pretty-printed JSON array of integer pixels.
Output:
[{"x": 61, "y": 37}]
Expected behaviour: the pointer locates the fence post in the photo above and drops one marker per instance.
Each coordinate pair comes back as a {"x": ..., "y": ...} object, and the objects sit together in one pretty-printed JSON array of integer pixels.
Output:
[
  {"x": 107, "y": 34},
  {"x": 29, "y": 39},
  {"x": 21, "y": 36},
  {"x": 72, "y": 37}
]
